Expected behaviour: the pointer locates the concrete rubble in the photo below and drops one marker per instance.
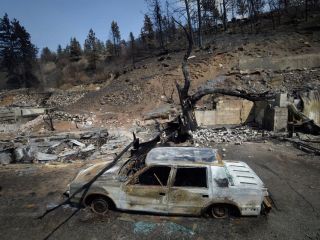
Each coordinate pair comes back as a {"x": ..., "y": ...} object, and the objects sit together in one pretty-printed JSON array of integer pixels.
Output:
[
  {"x": 64, "y": 98},
  {"x": 5, "y": 158},
  {"x": 61, "y": 115},
  {"x": 237, "y": 135},
  {"x": 66, "y": 147}
]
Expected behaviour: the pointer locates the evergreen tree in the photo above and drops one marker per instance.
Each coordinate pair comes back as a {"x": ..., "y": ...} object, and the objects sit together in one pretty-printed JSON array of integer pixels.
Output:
[
  {"x": 123, "y": 48},
  {"x": 158, "y": 19},
  {"x": 147, "y": 33},
  {"x": 26, "y": 57},
  {"x": 59, "y": 50},
  {"x": 109, "y": 48},
  {"x": 60, "y": 54},
  {"x": 18, "y": 54},
  {"x": 90, "y": 49},
  {"x": 75, "y": 50},
  {"x": 100, "y": 47},
  {"x": 47, "y": 55},
  {"x": 132, "y": 48},
  {"x": 172, "y": 30},
  {"x": 6, "y": 45},
  {"x": 66, "y": 50},
  {"x": 115, "y": 32}
]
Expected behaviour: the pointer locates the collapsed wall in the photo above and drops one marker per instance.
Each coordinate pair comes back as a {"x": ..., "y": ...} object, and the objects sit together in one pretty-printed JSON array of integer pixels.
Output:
[
  {"x": 269, "y": 115},
  {"x": 227, "y": 111}
]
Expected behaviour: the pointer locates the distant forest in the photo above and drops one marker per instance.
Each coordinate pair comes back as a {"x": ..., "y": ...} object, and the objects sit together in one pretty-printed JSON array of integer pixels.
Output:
[{"x": 162, "y": 31}]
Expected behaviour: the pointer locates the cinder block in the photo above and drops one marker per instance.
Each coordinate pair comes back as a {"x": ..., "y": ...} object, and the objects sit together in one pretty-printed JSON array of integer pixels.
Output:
[
  {"x": 281, "y": 100},
  {"x": 276, "y": 119}
]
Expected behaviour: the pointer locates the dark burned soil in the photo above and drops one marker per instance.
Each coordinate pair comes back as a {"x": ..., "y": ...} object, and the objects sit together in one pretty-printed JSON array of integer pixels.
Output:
[{"x": 291, "y": 176}]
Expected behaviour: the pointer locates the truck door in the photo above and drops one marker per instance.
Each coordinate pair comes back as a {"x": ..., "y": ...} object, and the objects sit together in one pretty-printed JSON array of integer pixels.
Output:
[
  {"x": 189, "y": 190},
  {"x": 148, "y": 190}
]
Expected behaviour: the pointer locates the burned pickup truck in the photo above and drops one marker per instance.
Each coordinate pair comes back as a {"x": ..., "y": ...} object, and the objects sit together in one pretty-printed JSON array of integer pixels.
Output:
[{"x": 176, "y": 180}]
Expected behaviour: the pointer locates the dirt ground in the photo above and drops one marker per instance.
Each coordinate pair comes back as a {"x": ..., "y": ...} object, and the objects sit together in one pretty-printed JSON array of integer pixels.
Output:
[{"x": 291, "y": 176}]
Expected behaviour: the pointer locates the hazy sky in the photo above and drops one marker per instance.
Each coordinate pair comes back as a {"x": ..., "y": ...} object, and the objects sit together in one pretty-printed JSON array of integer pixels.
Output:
[{"x": 53, "y": 22}]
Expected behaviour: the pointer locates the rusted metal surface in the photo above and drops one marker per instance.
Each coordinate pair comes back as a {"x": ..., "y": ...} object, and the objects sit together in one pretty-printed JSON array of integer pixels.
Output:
[
  {"x": 228, "y": 182},
  {"x": 267, "y": 203}
]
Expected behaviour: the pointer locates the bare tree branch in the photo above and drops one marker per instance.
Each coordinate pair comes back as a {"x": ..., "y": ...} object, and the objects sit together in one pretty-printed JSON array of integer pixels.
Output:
[
  {"x": 231, "y": 92},
  {"x": 185, "y": 70}
]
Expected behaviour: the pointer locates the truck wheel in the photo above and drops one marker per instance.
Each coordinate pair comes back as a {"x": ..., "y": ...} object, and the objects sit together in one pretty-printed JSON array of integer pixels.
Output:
[
  {"x": 100, "y": 205},
  {"x": 219, "y": 211}
]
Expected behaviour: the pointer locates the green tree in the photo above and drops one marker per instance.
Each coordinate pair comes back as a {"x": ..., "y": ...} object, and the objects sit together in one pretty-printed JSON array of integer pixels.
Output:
[
  {"x": 18, "y": 54},
  {"x": 116, "y": 37},
  {"x": 90, "y": 50},
  {"x": 75, "y": 50},
  {"x": 26, "y": 54},
  {"x": 6, "y": 45}
]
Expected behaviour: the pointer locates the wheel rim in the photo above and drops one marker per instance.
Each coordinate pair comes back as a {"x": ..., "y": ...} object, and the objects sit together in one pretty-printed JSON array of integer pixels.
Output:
[
  {"x": 219, "y": 212},
  {"x": 100, "y": 206}
]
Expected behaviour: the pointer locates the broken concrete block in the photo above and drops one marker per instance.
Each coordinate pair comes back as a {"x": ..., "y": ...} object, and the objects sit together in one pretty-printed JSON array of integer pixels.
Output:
[
  {"x": 5, "y": 158},
  {"x": 18, "y": 154},
  {"x": 89, "y": 148},
  {"x": 25, "y": 154},
  {"x": 77, "y": 143},
  {"x": 276, "y": 119},
  {"x": 44, "y": 157},
  {"x": 281, "y": 100},
  {"x": 68, "y": 153}
]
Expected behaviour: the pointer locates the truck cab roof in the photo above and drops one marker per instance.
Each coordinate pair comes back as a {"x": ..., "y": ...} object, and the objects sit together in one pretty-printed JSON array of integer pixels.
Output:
[{"x": 170, "y": 156}]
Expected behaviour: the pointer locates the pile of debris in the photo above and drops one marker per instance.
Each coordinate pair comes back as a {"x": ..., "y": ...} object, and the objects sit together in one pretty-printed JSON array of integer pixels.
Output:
[
  {"x": 66, "y": 147},
  {"x": 64, "y": 98},
  {"x": 236, "y": 135},
  {"x": 28, "y": 99},
  {"x": 122, "y": 97},
  {"x": 64, "y": 116}
]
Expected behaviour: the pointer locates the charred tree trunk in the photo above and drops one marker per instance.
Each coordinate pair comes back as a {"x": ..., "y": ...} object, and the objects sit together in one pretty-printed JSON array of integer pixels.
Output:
[
  {"x": 199, "y": 24},
  {"x": 224, "y": 15},
  {"x": 189, "y": 122},
  {"x": 189, "y": 20},
  {"x": 231, "y": 92}
]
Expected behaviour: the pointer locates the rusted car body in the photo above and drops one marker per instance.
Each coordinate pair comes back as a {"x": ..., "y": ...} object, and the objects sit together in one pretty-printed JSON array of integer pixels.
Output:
[{"x": 177, "y": 180}]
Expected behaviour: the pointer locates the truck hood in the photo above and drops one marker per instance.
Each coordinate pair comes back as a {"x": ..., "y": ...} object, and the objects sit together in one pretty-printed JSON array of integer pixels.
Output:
[
  {"x": 242, "y": 175},
  {"x": 87, "y": 174}
]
